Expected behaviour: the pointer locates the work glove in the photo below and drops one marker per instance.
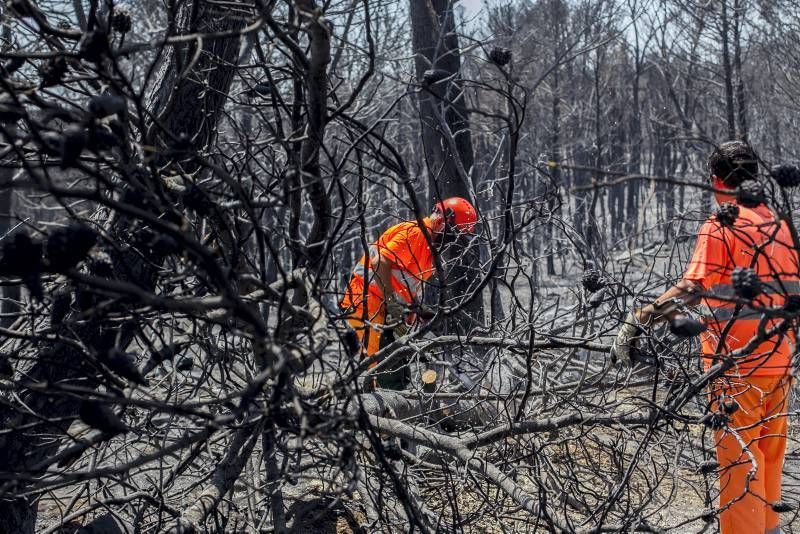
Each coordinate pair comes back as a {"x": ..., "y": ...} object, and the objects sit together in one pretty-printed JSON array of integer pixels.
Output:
[
  {"x": 426, "y": 313},
  {"x": 625, "y": 341},
  {"x": 396, "y": 317}
]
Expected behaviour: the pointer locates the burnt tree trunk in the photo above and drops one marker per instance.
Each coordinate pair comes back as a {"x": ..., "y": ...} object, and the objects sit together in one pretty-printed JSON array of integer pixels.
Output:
[
  {"x": 635, "y": 161},
  {"x": 446, "y": 136},
  {"x": 555, "y": 157},
  {"x": 9, "y": 294},
  {"x": 727, "y": 70},
  {"x": 316, "y": 100},
  {"x": 741, "y": 101},
  {"x": 435, "y": 45}
]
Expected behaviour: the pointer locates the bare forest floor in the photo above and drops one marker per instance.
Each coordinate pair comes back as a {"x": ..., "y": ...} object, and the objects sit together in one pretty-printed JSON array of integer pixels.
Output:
[{"x": 675, "y": 503}]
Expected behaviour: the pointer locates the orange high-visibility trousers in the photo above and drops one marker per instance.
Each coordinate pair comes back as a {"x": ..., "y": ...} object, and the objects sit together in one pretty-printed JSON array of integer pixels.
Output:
[
  {"x": 751, "y": 453},
  {"x": 365, "y": 316}
]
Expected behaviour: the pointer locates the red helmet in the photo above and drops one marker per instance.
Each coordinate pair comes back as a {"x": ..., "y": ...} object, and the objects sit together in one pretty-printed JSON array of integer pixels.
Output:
[{"x": 458, "y": 212}]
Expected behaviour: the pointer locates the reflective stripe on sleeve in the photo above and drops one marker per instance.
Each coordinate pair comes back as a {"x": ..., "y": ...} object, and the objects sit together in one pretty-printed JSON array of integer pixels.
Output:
[
  {"x": 726, "y": 314},
  {"x": 405, "y": 279},
  {"x": 775, "y": 287},
  {"x": 361, "y": 271}
]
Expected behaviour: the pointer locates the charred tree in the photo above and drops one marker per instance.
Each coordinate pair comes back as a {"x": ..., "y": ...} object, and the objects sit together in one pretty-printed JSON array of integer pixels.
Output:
[
  {"x": 446, "y": 136},
  {"x": 188, "y": 105}
]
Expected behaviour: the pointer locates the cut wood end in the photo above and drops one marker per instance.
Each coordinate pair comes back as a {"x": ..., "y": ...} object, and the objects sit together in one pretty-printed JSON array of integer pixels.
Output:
[{"x": 429, "y": 377}]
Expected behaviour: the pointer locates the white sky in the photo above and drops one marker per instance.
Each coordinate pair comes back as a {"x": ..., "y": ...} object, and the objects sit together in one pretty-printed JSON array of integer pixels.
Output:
[{"x": 472, "y": 6}]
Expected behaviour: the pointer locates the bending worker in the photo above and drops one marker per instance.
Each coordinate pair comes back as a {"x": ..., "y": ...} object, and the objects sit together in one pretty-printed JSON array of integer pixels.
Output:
[
  {"x": 387, "y": 282},
  {"x": 744, "y": 265}
]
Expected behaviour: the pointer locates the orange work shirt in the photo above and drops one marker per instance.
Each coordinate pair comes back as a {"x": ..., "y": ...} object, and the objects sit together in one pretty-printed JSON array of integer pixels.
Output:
[
  {"x": 403, "y": 245},
  {"x": 757, "y": 240}
]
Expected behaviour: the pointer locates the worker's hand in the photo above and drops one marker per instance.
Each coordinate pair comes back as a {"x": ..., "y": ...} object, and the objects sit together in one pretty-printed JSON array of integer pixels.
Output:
[
  {"x": 426, "y": 313},
  {"x": 396, "y": 317},
  {"x": 625, "y": 340}
]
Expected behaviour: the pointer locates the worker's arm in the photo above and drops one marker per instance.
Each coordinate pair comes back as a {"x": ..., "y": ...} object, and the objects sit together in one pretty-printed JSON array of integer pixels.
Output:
[
  {"x": 665, "y": 307},
  {"x": 393, "y": 307},
  {"x": 383, "y": 275}
]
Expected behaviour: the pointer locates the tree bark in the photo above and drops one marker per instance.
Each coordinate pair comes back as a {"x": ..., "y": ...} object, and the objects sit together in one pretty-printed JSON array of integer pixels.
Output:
[
  {"x": 727, "y": 71},
  {"x": 435, "y": 45},
  {"x": 635, "y": 162},
  {"x": 316, "y": 98},
  {"x": 9, "y": 295},
  {"x": 741, "y": 102},
  {"x": 556, "y": 157},
  {"x": 446, "y": 136}
]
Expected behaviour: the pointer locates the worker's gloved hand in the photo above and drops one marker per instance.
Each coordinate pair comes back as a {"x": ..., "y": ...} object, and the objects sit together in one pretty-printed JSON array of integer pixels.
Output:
[
  {"x": 426, "y": 313},
  {"x": 396, "y": 317},
  {"x": 625, "y": 341}
]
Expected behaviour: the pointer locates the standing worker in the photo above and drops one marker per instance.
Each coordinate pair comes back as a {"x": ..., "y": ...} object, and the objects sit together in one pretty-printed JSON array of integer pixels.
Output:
[
  {"x": 744, "y": 265},
  {"x": 387, "y": 282}
]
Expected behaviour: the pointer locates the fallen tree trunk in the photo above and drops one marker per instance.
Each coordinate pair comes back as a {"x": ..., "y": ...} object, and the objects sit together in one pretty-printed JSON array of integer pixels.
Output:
[{"x": 226, "y": 473}]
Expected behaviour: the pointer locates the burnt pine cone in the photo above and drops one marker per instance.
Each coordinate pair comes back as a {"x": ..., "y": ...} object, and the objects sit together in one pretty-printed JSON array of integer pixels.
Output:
[
  {"x": 432, "y": 76},
  {"x": 727, "y": 213},
  {"x": 792, "y": 303},
  {"x": 101, "y": 138},
  {"x": 592, "y": 280},
  {"x": 714, "y": 420},
  {"x": 500, "y": 56},
  {"x": 746, "y": 283},
  {"x": 53, "y": 71},
  {"x": 124, "y": 365},
  {"x": 786, "y": 175},
  {"x": 707, "y": 467},
  {"x": 121, "y": 21},
  {"x": 12, "y": 65},
  {"x": 185, "y": 364},
  {"x": 686, "y": 326},
  {"x": 196, "y": 199},
  {"x": 98, "y": 415},
  {"x": 708, "y": 515},
  {"x": 67, "y": 247},
  {"x": 101, "y": 106},
  {"x": 782, "y": 507},
  {"x": 73, "y": 141},
  {"x": 730, "y": 406},
  {"x": 21, "y": 255},
  {"x": 94, "y": 46},
  {"x": 262, "y": 89},
  {"x": 750, "y": 194}
]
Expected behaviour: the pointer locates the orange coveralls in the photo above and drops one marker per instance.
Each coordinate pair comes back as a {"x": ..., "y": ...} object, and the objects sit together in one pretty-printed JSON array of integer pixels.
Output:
[
  {"x": 759, "y": 382},
  {"x": 405, "y": 247}
]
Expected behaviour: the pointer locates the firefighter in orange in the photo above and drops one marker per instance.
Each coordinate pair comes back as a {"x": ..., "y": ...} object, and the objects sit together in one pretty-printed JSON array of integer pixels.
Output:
[
  {"x": 386, "y": 284},
  {"x": 743, "y": 269}
]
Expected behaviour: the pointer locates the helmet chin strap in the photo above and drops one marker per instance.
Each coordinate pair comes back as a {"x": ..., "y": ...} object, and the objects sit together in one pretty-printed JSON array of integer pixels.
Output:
[{"x": 437, "y": 222}]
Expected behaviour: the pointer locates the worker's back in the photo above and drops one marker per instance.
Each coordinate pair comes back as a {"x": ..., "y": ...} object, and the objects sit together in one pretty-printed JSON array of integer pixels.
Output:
[
  {"x": 756, "y": 240},
  {"x": 405, "y": 246}
]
